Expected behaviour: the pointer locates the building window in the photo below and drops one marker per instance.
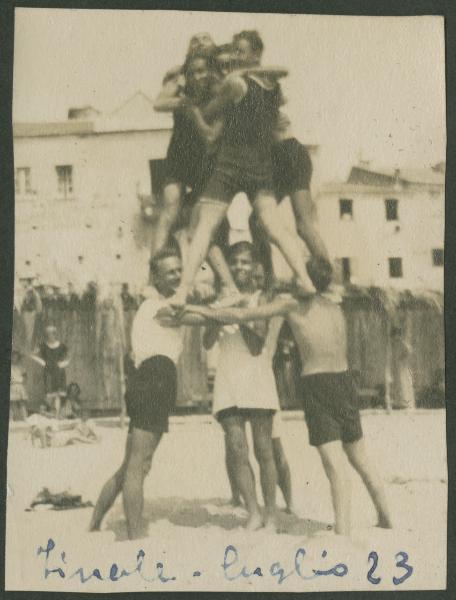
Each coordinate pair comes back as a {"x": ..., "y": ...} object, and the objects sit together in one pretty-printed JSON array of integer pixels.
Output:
[
  {"x": 346, "y": 270},
  {"x": 22, "y": 181},
  {"x": 64, "y": 181},
  {"x": 346, "y": 209},
  {"x": 437, "y": 257},
  {"x": 391, "y": 206},
  {"x": 395, "y": 267}
]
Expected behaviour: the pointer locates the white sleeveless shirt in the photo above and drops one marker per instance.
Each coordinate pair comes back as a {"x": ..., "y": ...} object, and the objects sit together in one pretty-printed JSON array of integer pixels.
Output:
[{"x": 243, "y": 380}]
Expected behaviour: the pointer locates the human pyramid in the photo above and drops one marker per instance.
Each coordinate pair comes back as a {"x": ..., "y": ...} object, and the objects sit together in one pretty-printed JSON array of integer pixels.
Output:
[{"x": 229, "y": 136}]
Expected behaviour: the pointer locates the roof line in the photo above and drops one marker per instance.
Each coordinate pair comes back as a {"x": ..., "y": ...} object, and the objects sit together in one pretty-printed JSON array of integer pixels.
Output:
[
  {"x": 90, "y": 133},
  {"x": 137, "y": 93}
]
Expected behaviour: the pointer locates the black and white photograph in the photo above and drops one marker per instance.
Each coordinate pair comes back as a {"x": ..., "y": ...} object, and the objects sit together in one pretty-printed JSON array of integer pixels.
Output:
[{"x": 228, "y": 353}]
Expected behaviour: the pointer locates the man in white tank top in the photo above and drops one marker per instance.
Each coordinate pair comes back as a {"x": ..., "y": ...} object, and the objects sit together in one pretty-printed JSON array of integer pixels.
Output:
[
  {"x": 157, "y": 343},
  {"x": 245, "y": 390}
]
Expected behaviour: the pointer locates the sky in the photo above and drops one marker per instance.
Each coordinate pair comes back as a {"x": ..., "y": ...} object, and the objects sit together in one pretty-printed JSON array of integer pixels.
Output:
[{"x": 359, "y": 87}]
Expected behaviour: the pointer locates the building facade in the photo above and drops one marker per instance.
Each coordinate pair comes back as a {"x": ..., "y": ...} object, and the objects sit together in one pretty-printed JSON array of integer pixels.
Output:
[
  {"x": 85, "y": 189},
  {"x": 79, "y": 186},
  {"x": 386, "y": 227}
]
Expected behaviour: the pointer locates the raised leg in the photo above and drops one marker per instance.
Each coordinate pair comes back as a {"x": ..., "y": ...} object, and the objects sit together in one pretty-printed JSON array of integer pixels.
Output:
[
  {"x": 335, "y": 465},
  {"x": 143, "y": 446},
  {"x": 359, "y": 459},
  {"x": 262, "y": 442}
]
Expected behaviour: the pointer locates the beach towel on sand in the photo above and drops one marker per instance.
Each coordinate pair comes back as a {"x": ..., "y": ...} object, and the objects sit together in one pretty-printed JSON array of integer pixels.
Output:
[{"x": 61, "y": 501}]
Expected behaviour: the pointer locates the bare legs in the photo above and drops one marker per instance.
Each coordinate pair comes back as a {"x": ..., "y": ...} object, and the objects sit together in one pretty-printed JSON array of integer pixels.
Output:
[
  {"x": 218, "y": 262},
  {"x": 301, "y": 201},
  {"x": 210, "y": 217},
  {"x": 262, "y": 444},
  {"x": 238, "y": 451},
  {"x": 287, "y": 241},
  {"x": 110, "y": 491},
  {"x": 357, "y": 455},
  {"x": 231, "y": 471},
  {"x": 172, "y": 195},
  {"x": 129, "y": 479},
  {"x": 335, "y": 465},
  {"x": 283, "y": 473}
]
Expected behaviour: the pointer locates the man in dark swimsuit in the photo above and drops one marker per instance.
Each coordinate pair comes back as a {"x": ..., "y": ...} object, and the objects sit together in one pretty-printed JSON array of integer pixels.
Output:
[
  {"x": 250, "y": 105},
  {"x": 188, "y": 161}
]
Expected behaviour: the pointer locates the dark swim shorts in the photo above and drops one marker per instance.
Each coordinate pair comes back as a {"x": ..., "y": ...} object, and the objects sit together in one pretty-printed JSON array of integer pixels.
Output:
[{"x": 331, "y": 409}]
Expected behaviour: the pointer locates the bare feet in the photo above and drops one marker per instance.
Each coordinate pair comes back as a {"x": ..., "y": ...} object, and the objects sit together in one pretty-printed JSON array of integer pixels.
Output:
[
  {"x": 290, "y": 510},
  {"x": 384, "y": 522},
  {"x": 270, "y": 523},
  {"x": 254, "y": 522},
  {"x": 236, "y": 502}
]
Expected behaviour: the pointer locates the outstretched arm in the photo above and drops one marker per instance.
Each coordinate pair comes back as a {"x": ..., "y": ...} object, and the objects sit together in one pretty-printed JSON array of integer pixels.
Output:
[
  {"x": 280, "y": 306},
  {"x": 232, "y": 90},
  {"x": 167, "y": 317},
  {"x": 272, "y": 71},
  {"x": 209, "y": 133},
  {"x": 170, "y": 96}
]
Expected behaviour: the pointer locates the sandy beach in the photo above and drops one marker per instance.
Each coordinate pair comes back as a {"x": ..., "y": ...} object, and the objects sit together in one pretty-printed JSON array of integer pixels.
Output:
[{"x": 190, "y": 523}]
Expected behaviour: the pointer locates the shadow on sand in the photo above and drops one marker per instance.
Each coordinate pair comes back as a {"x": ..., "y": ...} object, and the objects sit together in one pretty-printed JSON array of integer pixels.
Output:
[{"x": 211, "y": 512}]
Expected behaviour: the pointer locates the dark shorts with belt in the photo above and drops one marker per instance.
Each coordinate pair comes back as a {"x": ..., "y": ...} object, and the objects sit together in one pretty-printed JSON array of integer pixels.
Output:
[
  {"x": 151, "y": 394},
  {"x": 240, "y": 169},
  {"x": 331, "y": 409},
  {"x": 291, "y": 167}
]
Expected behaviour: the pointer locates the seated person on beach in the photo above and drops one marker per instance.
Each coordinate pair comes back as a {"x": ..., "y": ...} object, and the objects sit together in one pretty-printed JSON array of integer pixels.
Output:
[
  {"x": 42, "y": 425},
  {"x": 332, "y": 416},
  {"x": 71, "y": 403},
  {"x": 76, "y": 431}
]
